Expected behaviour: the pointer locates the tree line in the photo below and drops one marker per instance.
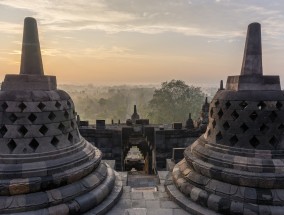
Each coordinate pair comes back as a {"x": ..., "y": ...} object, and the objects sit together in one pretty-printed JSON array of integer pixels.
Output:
[{"x": 170, "y": 102}]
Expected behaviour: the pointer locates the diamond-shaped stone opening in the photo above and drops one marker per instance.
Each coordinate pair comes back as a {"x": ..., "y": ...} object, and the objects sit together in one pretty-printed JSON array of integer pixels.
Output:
[
  {"x": 72, "y": 124},
  {"x": 211, "y": 112},
  {"x": 235, "y": 115},
  {"x": 273, "y": 141},
  {"x": 32, "y": 117},
  {"x": 3, "y": 130},
  {"x": 61, "y": 127},
  {"x": 57, "y": 104},
  {"x": 70, "y": 137},
  {"x": 228, "y": 104},
  {"x": 34, "y": 144},
  {"x": 13, "y": 118},
  {"x": 54, "y": 141},
  {"x": 233, "y": 140},
  {"x": 273, "y": 116},
  {"x": 263, "y": 128},
  {"x": 51, "y": 116},
  {"x": 281, "y": 126},
  {"x": 220, "y": 113},
  {"x": 22, "y": 106},
  {"x": 41, "y": 106},
  {"x": 219, "y": 136},
  {"x": 254, "y": 141},
  {"x": 243, "y": 105},
  {"x": 226, "y": 126},
  {"x": 217, "y": 103},
  {"x": 261, "y": 105},
  {"x": 22, "y": 130},
  {"x": 12, "y": 145},
  {"x": 253, "y": 116},
  {"x": 4, "y": 106},
  {"x": 66, "y": 114},
  {"x": 279, "y": 105},
  {"x": 43, "y": 129},
  {"x": 244, "y": 127},
  {"x": 69, "y": 103},
  {"x": 214, "y": 123}
]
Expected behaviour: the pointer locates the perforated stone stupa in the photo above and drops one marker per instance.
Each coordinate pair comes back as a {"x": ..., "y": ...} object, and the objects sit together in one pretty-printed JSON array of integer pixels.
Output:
[
  {"x": 46, "y": 167},
  {"x": 237, "y": 166}
]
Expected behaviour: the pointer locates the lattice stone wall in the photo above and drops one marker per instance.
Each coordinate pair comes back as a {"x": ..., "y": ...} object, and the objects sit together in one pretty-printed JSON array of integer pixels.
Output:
[
  {"x": 37, "y": 126},
  {"x": 246, "y": 124}
]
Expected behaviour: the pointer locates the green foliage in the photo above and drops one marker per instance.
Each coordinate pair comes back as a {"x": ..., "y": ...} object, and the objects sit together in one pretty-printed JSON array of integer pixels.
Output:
[
  {"x": 113, "y": 102},
  {"x": 173, "y": 101}
]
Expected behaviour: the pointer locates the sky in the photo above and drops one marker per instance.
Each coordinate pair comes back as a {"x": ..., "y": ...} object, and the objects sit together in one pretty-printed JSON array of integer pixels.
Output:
[{"x": 142, "y": 41}]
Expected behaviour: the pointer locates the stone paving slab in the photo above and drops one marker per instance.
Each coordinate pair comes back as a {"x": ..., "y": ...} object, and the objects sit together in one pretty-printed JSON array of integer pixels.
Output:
[
  {"x": 136, "y": 211},
  {"x": 146, "y": 203},
  {"x": 142, "y": 180},
  {"x": 160, "y": 211}
]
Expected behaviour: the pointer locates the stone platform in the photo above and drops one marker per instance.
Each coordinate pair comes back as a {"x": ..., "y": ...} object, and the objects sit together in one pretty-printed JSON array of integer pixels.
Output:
[{"x": 133, "y": 202}]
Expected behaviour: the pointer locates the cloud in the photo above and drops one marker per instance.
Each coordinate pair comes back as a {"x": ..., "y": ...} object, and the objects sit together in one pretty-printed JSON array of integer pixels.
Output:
[
  {"x": 273, "y": 20},
  {"x": 3, "y": 59},
  {"x": 159, "y": 17},
  {"x": 198, "y": 18},
  {"x": 151, "y": 29},
  {"x": 51, "y": 52},
  {"x": 49, "y": 11},
  {"x": 258, "y": 10},
  {"x": 10, "y": 28}
]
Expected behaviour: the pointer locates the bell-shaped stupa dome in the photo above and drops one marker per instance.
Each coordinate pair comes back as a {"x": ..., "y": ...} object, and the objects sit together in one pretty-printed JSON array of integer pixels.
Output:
[
  {"x": 46, "y": 166},
  {"x": 237, "y": 166}
]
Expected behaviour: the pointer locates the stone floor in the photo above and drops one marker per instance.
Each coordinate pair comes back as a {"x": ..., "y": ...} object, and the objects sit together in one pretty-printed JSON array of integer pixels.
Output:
[{"x": 145, "y": 201}]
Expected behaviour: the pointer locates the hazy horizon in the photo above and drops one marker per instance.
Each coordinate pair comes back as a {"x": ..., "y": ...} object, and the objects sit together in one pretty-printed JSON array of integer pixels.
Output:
[{"x": 108, "y": 42}]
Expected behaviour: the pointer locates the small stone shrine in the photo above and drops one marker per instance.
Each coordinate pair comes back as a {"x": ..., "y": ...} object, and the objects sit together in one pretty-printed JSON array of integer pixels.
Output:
[
  {"x": 189, "y": 122},
  {"x": 237, "y": 166},
  {"x": 203, "y": 119},
  {"x": 46, "y": 167},
  {"x": 135, "y": 116}
]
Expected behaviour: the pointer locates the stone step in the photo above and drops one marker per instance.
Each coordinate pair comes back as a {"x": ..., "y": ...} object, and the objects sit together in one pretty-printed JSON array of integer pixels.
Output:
[
  {"x": 110, "y": 201},
  {"x": 184, "y": 202},
  {"x": 142, "y": 180}
]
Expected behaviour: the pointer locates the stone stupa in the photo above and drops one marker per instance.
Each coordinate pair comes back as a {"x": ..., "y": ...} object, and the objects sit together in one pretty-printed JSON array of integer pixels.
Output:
[
  {"x": 135, "y": 116},
  {"x": 46, "y": 166},
  {"x": 237, "y": 166}
]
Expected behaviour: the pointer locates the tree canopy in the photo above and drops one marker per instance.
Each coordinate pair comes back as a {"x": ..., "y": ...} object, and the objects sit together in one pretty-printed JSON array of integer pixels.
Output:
[{"x": 173, "y": 101}]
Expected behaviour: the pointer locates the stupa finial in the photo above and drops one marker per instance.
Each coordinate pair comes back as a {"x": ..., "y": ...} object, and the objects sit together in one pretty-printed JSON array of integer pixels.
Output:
[
  {"x": 252, "y": 61},
  {"x": 31, "y": 62},
  {"x": 221, "y": 85}
]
